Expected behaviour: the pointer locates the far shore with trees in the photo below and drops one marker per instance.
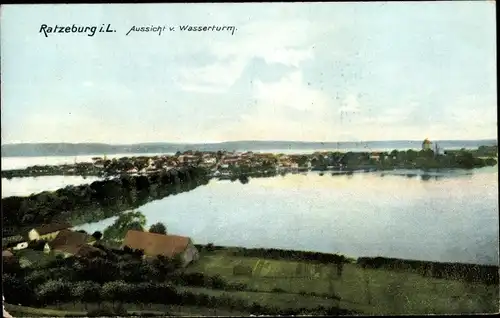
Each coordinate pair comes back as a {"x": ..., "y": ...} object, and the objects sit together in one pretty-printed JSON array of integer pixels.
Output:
[{"x": 264, "y": 164}]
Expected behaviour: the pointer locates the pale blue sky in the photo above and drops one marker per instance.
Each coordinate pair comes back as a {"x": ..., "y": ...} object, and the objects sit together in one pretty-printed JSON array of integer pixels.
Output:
[{"x": 297, "y": 71}]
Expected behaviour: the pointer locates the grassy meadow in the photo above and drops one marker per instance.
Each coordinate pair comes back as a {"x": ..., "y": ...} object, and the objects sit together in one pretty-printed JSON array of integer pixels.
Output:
[{"x": 285, "y": 283}]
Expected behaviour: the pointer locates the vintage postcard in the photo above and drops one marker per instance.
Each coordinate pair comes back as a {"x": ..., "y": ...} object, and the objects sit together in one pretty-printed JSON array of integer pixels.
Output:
[{"x": 236, "y": 159}]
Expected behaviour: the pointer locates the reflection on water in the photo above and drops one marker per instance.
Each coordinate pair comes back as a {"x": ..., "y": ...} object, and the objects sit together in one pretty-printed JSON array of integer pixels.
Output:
[
  {"x": 28, "y": 186},
  {"x": 444, "y": 219}
]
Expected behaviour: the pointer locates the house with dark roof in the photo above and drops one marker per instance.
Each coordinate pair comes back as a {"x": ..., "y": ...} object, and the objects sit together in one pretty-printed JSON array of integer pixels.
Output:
[
  {"x": 83, "y": 250},
  {"x": 69, "y": 243},
  {"x": 47, "y": 231},
  {"x": 154, "y": 244}
]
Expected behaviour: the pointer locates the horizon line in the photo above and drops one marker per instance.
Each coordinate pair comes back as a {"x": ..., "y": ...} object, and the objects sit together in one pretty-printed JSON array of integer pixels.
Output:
[{"x": 229, "y": 141}]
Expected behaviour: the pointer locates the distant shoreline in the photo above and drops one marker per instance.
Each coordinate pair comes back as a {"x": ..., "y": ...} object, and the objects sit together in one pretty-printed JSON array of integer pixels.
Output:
[
  {"x": 268, "y": 164},
  {"x": 99, "y": 149}
]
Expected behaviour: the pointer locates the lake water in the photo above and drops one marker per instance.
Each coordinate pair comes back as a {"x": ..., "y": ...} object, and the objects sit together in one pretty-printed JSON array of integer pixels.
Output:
[
  {"x": 28, "y": 186},
  {"x": 9, "y": 163},
  {"x": 453, "y": 218},
  {"x": 397, "y": 214}
]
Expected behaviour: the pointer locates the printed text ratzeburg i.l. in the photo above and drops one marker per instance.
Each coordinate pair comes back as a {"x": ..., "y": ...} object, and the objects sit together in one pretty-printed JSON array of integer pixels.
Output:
[{"x": 89, "y": 30}]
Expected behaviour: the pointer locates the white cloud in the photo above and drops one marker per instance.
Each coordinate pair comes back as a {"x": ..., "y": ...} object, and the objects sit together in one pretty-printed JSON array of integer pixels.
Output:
[
  {"x": 215, "y": 77},
  {"x": 290, "y": 92},
  {"x": 472, "y": 109},
  {"x": 350, "y": 105},
  {"x": 285, "y": 42},
  {"x": 273, "y": 117}
]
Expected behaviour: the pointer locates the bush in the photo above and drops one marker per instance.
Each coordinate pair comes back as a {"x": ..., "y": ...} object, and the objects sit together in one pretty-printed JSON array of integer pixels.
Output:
[
  {"x": 193, "y": 279},
  {"x": 256, "y": 308},
  {"x": 237, "y": 286},
  {"x": 54, "y": 291},
  {"x": 242, "y": 270},
  {"x": 277, "y": 290},
  {"x": 217, "y": 282}
]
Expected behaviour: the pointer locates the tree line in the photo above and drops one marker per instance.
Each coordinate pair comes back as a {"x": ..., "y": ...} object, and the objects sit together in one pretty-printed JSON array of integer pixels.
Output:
[
  {"x": 100, "y": 199},
  {"x": 486, "y": 274},
  {"x": 272, "y": 253},
  {"x": 406, "y": 159}
]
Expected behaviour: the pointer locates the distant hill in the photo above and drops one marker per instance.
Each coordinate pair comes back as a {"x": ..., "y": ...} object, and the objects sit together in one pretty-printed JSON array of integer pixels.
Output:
[{"x": 67, "y": 149}]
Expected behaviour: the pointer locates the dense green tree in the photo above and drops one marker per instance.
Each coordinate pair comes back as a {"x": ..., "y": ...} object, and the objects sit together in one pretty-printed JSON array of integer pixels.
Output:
[
  {"x": 86, "y": 292},
  {"x": 159, "y": 228},
  {"x": 12, "y": 266},
  {"x": 465, "y": 159},
  {"x": 411, "y": 155},
  {"x": 115, "y": 290},
  {"x": 97, "y": 269},
  {"x": 97, "y": 235},
  {"x": 16, "y": 291},
  {"x": 125, "y": 222},
  {"x": 301, "y": 160},
  {"x": 54, "y": 291}
]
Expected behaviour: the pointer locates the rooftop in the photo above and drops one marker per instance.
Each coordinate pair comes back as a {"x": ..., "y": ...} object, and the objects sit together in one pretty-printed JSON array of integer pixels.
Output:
[
  {"x": 68, "y": 238},
  {"x": 156, "y": 244},
  {"x": 53, "y": 227}
]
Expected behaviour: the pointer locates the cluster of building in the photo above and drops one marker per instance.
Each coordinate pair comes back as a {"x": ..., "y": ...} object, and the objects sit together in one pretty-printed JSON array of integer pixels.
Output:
[
  {"x": 214, "y": 161},
  {"x": 60, "y": 239},
  {"x": 222, "y": 161}
]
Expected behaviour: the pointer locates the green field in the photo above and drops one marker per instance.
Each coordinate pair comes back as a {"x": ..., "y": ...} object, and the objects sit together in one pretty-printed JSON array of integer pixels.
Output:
[
  {"x": 21, "y": 311},
  {"x": 80, "y": 310},
  {"x": 368, "y": 291},
  {"x": 286, "y": 284}
]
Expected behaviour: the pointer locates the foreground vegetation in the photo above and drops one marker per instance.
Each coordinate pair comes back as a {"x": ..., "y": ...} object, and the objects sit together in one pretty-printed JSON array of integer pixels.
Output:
[
  {"x": 121, "y": 277},
  {"x": 240, "y": 281},
  {"x": 365, "y": 290}
]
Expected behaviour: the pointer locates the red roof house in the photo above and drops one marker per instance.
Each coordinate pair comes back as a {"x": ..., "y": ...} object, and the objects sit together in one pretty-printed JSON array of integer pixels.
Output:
[{"x": 154, "y": 244}]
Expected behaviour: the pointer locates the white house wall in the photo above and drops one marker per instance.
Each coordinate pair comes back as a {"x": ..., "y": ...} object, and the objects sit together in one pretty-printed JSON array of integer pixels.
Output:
[
  {"x": 33, "y": 235},
  {"x": 21, "y": 246}
]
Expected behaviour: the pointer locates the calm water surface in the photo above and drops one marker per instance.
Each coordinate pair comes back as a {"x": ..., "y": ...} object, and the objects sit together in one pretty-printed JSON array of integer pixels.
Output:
[
  {"x": 28, "y": 186},
  {"x": 453, "y": 218}
]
